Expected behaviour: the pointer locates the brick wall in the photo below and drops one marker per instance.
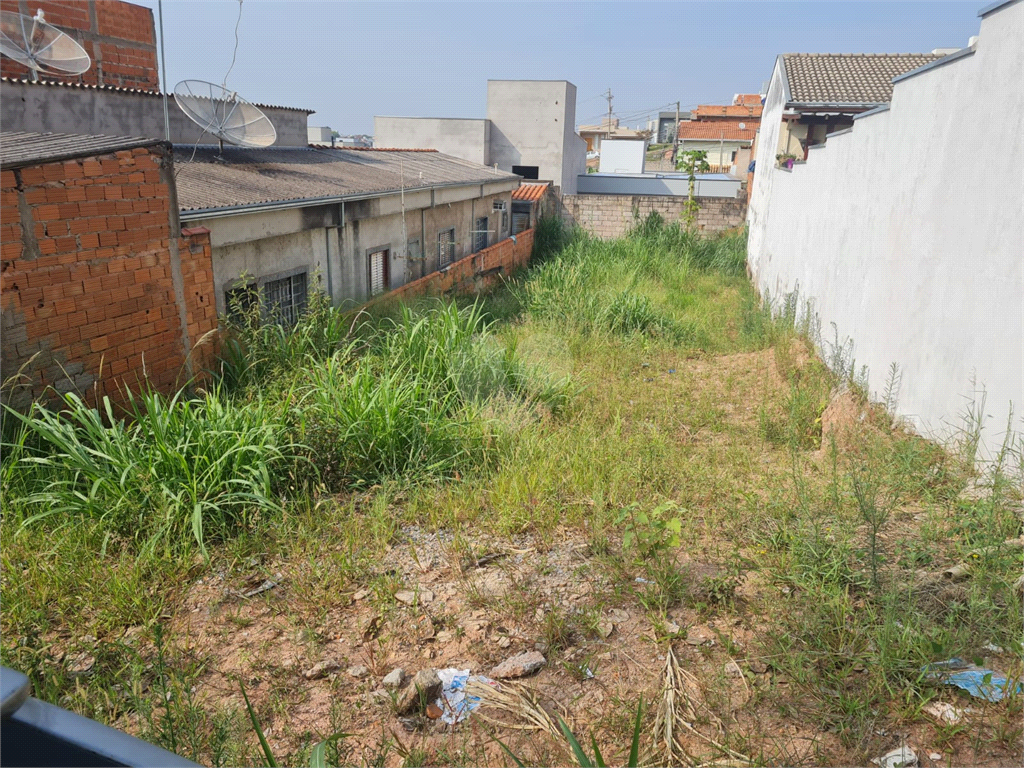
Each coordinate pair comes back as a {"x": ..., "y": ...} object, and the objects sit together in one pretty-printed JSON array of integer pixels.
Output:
[
  {"x": 611, "y": 216},
  {"x": 469, "y": 274},
  {"x": 93, "y": 285},
  {"x": 120, "y": 37}
]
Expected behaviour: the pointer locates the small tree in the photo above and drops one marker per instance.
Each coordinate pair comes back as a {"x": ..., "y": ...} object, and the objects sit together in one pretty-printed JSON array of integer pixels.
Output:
[{"x": 693, "y": 162}]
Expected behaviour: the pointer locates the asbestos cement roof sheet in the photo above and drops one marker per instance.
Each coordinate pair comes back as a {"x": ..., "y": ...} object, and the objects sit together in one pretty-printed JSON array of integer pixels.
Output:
[
  {"x": 21, "y": 148},
  {"x": 209, "y": 179},
  {"x": 848, "y": 78}
]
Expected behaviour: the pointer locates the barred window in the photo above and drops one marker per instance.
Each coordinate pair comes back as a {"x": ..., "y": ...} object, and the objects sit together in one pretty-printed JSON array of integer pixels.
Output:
[{"x": 445, "y": 247}]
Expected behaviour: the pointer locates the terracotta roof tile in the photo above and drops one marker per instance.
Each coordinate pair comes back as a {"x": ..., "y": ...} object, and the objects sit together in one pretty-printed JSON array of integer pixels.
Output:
[
  {"x": 716, "y": 110},
  {"x": 529, "y": 192},
  {"x": 713, "y": 129},
  {"x": 748, "y": 99},
  {"x": 848, "y": 78}
]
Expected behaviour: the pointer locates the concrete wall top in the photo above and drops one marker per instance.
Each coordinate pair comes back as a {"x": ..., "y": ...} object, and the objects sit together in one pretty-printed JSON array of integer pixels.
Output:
[
  {"x": 104, "y": 112},
  {"x": 465, "y": 139}
]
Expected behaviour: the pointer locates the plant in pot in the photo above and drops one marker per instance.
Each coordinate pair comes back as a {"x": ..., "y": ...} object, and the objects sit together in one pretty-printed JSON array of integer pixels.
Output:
[{"x": 785, "y": 159}]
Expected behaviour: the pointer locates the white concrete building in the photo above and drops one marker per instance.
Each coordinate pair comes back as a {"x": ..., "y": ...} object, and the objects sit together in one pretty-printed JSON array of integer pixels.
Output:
[
  {"x": 529, "y": 130},
  {"x": 907, "y": 238},
  {"x": 623, "y": 156}
]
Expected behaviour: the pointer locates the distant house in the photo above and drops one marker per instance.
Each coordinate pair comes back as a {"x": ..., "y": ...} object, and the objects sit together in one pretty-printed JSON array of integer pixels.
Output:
[
  {"x": 725, "y": 132},
  {"x": 360, "y": 221},
  {"x": 595, "y": 134},
  {"x": 529, "y": 130},
  {"x": 663, "y": 130},
  {"x": 814, "y": 94}
]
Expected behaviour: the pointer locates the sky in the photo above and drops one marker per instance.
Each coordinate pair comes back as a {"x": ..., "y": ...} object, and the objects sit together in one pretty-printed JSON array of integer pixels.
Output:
[{"x": 350, "y": 61}]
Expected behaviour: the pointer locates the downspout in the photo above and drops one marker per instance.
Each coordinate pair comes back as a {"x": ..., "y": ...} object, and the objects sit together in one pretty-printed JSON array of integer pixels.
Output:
[
  {"x": 327, "y": 244},
  {"x": 163, "y": 66}
]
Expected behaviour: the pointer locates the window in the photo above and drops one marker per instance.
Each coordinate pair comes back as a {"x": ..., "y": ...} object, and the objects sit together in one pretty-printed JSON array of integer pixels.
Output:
[
  {"x": 502, "y": 206},
  {"x": 445, "y": 247},
  {"x": 480, "y": 234},
  {"x": 285, "y": 299},
  {"x": 379, "y": 268},
  {"x": 526, "y": 171},
  {"x": 521, "y": 212},
  {"x": 282, "y": 299}
]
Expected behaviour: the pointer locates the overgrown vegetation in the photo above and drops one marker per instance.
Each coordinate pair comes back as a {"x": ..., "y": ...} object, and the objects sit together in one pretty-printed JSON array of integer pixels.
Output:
[{"x": 633, "y": 395}]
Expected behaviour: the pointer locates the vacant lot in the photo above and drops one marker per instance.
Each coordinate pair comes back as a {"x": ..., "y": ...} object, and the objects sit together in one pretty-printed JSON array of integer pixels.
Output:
[{"x": 621, "y": 460}]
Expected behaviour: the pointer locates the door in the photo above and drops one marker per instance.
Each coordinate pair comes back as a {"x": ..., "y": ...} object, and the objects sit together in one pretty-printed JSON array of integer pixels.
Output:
[{"x": 445, "y": 247}]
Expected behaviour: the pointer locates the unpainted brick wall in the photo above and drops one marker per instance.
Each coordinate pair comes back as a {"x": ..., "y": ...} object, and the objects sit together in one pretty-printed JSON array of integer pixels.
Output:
[
  {"x": 612, "y": 216},
  {"x": 119, "y": 37},
  {"x": 471, "y": 273},
  {"x": 86, "y": 288}
]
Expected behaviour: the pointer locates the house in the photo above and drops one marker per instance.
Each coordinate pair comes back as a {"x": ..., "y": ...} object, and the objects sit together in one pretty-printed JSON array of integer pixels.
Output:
[
  {"x": 663, "y": 129},
  {"x": 529, "y": 130},
  {"x": 814, "y": 94},
  {"x": 100, "y": 287},
  {"x": 725, "y": 132},
  {"x": 593, "y": 135},
  {"x": 359, "y": 222}
]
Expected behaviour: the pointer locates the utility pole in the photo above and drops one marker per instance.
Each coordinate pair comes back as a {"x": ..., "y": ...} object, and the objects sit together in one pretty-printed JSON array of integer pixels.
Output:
[
  {"x": 675, "y": 138},
  {"x": 609, "y": 126}
]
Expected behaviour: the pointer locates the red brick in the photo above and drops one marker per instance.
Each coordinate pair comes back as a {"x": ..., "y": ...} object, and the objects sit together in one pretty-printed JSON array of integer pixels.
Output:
[{"x": 98, "y": 343}]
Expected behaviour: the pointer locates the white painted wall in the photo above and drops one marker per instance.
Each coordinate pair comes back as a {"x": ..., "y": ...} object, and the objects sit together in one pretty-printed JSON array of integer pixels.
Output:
[
  {"x": 623, "y": 156},
  {"x": 715, "y": 185},
  {"x": 909, "y": 240}
]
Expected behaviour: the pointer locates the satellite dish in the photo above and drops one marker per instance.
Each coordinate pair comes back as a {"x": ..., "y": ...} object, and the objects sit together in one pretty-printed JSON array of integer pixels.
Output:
[
  {"x": 743, "y": 126},
  {"x": 33, "y": 43},
  {"x": 224, "y": 114}
]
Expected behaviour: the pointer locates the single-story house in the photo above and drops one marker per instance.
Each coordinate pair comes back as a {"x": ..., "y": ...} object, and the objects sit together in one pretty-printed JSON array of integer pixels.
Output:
[
  {"x": 528, "y": 205},
  {"x": 359, "y": 221}
]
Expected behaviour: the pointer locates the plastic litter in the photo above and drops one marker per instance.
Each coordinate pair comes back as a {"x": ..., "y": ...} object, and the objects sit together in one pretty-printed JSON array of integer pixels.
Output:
[
  {"x": 904, "y": 757},
  {"x": 642, "y": 580},
  {"x": 455, "y": 705},
  {"x": 671, "y": 370},
  {"x": 979, "y": 682}
]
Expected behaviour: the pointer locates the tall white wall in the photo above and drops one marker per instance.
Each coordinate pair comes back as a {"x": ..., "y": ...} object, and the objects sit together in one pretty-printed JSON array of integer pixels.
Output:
[
  {"x": 466, "y": 139},
  {"x": 910, "y": 240}
]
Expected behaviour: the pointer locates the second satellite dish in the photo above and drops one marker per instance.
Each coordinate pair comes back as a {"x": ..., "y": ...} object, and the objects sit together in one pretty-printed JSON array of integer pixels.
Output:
[
  {"x": 224, "y": 114},
  {"x": 33, "y": 43}
]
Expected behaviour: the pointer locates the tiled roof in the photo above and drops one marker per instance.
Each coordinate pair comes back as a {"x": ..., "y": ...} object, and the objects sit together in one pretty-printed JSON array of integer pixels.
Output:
[
  {"x": 715, "y": 110},
  {"x": 116, "y": 89},
  {"x": 716, "y": 129},
  {"x": 241, "y": 177},
  {"x": 848, "y": 78},
  {"x": 21, "y": 148},
  {"x": 530, "y": 193},
  {"x": 748, "y": 99}
]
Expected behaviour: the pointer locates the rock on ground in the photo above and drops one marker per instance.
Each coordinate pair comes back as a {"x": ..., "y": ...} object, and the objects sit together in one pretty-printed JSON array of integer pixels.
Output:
[
  {"x": 424, "y": 688},
  {"x": 519, "y": 666},
  {"x": 394, "y": 679}
]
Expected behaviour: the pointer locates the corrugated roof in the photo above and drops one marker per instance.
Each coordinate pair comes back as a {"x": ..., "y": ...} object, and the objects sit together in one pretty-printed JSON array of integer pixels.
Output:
[
  {"x": 242, "y": 177},
  {"x": 21, "y": 148},
  {"x": 848, "y": 78},
  {"x": 530, "y": 193},
  {"x": 116, "y": 89},
  {"x": 716, "y": 130}
]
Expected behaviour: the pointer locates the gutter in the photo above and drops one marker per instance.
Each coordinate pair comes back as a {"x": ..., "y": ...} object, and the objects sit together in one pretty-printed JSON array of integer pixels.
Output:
[{"x": 304, "y": 202}]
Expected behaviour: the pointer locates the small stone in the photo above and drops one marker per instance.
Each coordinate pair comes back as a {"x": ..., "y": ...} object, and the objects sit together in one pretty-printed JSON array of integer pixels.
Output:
[
  {"x": 519, "y": 666},
  {"x": 538, "y": 615},
  {"x": 362, "y": 594},
  {"x": 409, "y": 597},
  {"x": 444, "y": 636},
  {"x": 671, "y": 628},
  {"x": 504, "y": 642},
  {"x": 618, "y": 616},
  {"x": 757, "y": 666},
  {"x": 394, "y": 679},
  {"x": 732, "y": 669},
  {"x": 605, "y": 629},
  {"x": 541, "y": 646},
  {"x": 425, "y": 687},
  {"x": 358, "y": 671},
  {"x": 321, "y": 669},
  {"x": 935, "y": 756},
  {"x": 477, "y": 630}
]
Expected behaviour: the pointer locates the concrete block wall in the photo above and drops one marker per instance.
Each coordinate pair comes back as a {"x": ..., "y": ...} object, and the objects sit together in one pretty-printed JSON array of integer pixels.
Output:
[
  {"x": 95, "y": 285},
  {"x": 469, "y": 274},
  {"x": 612, "y": 216},
  {"x": 120, "y": 37}
]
